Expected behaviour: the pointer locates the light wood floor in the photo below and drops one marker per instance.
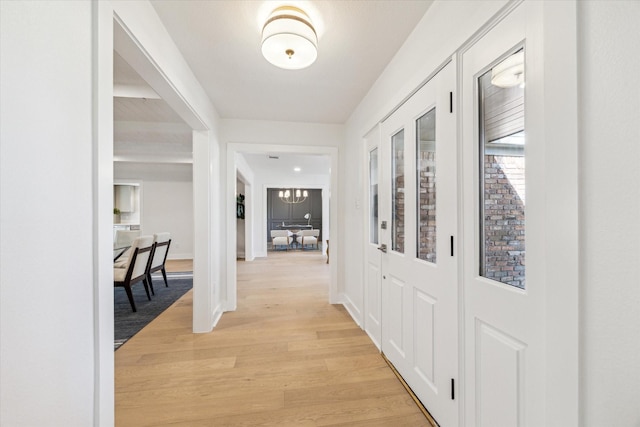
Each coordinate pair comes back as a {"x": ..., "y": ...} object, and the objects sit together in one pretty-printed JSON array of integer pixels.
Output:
[
  {"x": 285, "y": 358},
  {"x": 178, "y": 265}
]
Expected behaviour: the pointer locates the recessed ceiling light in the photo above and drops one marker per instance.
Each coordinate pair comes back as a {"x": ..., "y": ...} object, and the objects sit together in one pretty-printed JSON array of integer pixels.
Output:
[{"x": 297, "y": 169}]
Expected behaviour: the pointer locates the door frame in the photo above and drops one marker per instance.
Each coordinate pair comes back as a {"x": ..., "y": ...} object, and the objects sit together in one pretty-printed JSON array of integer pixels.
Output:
[{"x": 233, "y": 148}]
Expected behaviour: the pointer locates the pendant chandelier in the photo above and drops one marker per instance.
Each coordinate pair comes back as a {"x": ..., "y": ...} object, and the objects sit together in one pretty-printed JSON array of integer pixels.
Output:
[{"x": 293, "y": 196}]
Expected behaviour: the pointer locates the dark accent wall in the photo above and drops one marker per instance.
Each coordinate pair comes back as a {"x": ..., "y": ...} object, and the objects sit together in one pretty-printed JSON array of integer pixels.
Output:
[{"x": 279, "y": 211}]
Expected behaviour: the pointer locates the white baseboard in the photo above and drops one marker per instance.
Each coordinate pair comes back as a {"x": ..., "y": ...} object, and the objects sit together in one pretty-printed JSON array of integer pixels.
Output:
[
  {"x": 217, "y": 315},
  {"x": 185, "y": 255},
  {"x": 353, "y": 311}
]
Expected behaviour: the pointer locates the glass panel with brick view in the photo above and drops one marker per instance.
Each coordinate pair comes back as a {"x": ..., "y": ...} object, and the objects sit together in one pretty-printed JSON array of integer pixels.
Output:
[
  {"x": 373, "y": 196},
  {"x": 426, "y": 186},
  {"x": 502, "y": 181},
  {"x": 397, "y": 192}
]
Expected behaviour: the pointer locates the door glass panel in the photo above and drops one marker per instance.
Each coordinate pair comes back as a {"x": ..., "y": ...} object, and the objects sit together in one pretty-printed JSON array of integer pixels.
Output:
[
  {"x": 397, "y": 192},
  {"x": 502, "y": 172},
  {"x": 426, "y": 186},
  {"x": 373, "y": 196}
]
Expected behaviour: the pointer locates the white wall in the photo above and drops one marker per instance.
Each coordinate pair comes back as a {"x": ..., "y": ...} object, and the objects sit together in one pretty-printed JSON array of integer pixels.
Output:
[
  {"x": 167, "y": 201},
  {"x": 47, "y": 341},
  {"x": 240, "y": 224},
  {"x": 168, "y": 206},
  {"x": 610, "y": 212}
]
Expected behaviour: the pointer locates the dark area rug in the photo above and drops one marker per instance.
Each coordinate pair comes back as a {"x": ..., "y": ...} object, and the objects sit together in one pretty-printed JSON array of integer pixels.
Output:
[{"x": 127, "y": 323}]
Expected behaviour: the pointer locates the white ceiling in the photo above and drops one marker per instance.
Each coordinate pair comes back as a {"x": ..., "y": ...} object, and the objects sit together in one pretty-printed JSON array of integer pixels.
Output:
[
  {"x": 220, "y": 40},
  {"x": 286, "y": 162}
]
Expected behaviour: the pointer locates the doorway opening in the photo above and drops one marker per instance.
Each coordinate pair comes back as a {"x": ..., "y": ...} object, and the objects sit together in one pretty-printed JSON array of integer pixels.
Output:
[{"x": 258, "y": 165}]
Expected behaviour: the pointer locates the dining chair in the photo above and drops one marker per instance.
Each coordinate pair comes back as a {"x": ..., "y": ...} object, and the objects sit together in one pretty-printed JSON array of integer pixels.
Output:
[
  {"x": 161, "y": 243},
  {"x": 135, "y": 269}
]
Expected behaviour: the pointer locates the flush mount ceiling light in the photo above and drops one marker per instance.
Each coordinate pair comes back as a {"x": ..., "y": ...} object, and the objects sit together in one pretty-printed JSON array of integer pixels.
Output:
[
  {"x": 509, "y": 72},
  {"x": 289, "y": 39}
]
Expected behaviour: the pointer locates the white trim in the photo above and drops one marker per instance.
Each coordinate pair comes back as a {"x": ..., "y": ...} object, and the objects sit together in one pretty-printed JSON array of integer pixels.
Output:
[
  {"x": 141, "y": 39},
  {"x": 352, "y": 308},
  {"x": 102, "y": 189},
  {"x": 177, "y": 256}
]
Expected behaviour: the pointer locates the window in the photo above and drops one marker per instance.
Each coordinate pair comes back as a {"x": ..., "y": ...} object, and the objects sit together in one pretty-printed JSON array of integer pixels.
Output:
[
  {"x": 373, "y": 196},
  {"x": 502, "y": 172},
  {"x": 397, "y": 192},
  {"x": 426, "y": 186}
]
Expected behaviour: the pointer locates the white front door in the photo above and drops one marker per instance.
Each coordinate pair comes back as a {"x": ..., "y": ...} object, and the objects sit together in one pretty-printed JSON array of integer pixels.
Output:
[
  {"x": 418, "y": 199},
  {"x": 504, "y": 206},
  {"x": 373, "y": 274}
]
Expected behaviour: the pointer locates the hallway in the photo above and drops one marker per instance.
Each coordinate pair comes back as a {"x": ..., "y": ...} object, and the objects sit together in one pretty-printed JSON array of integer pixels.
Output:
[{"x": 285, "y": 357}]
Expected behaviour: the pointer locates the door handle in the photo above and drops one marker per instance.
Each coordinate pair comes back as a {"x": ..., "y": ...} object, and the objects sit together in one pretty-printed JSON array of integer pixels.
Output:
[{"x": 383, "y": 248}]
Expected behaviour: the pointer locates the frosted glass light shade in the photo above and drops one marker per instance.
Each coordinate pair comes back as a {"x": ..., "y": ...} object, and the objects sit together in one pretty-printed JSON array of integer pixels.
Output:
[
  {"x": 288, "y": 39},
  {"x": 509, "y": 72}
]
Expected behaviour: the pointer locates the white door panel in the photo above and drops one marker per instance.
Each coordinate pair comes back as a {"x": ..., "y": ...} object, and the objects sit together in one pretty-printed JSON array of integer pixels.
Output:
[
  {"x": 423, "y": 326},
  {"x": 396, "y": 324},
  {"x": 374, "y": 276},
  {"x": 499, "y": 388},
  {"x": 418, "y": 199}
]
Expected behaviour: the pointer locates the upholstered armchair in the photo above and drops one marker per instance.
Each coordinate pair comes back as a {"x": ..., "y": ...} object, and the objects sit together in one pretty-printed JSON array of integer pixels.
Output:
[
  {"x": 280, "y": 238},
  {"x": 310, "y": 237}
]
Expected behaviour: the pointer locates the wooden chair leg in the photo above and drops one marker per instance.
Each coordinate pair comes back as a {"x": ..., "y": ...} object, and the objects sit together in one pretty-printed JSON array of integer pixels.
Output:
[
  {"x": 146, "y": 287},
  {"x": 150, "y": 284},
  {"x": 127, "y": 288},
  {"x": 164, "y": 275}
]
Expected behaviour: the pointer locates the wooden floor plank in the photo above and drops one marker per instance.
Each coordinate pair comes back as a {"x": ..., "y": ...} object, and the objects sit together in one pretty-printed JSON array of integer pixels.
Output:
[{"x": 285, "y": 357}]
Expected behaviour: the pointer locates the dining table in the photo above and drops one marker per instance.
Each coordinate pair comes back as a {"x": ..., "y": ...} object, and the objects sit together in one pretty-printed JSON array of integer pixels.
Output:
[
  {"x": 119, "y": 251},
  {"x": 295, "y": 229}
]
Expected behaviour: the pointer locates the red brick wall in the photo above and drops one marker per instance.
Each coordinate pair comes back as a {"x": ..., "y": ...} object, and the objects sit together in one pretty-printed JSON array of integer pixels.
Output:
[
  {"x": 427, "y": 206},
  {"x": 504, "y": 219}
]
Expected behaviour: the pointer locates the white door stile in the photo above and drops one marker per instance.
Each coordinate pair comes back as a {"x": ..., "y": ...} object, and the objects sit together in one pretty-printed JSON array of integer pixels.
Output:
[{"x": 373, "y": 256}]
